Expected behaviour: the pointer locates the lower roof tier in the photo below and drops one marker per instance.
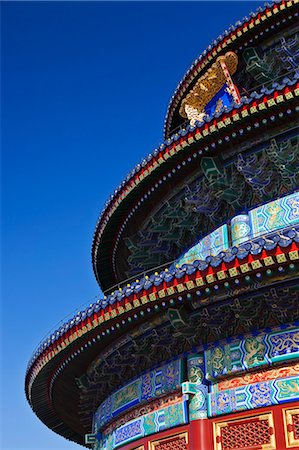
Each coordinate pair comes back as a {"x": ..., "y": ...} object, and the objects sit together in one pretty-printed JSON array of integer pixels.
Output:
[
  {"x": 254, "y": 371},
  {"x": 69, "y": 379}
]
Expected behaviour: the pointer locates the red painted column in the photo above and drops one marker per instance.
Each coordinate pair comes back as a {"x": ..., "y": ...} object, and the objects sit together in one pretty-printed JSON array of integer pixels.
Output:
[
  {"x": 279, "y": 426},
  {"x": 201, "y": 435}
]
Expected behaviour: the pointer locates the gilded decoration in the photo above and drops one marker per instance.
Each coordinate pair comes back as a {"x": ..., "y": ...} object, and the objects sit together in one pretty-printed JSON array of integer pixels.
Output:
[
  {"x": 127, "y": 432},
  {"x": 255, "y": 351},
  {"x": 280, "y": 213},
  {"x": 291, "y": 427},
  {"x": 160, "y": 381},
  {"x": 286, "y": 343},
  {"x": 223, "y": 402},
  {"x": 261, "y": 394},
  {"x": 196, "y": 375},
  {"x": 262, "y": 375},
  {"x": 197, "y": 389},
  {"x": 149, "y": 424},
  {"x": 147, "y": 386},
  {"x": 208, "y": 85},
  {"x": 195, "y": 366},
  {"x": 288, "y": 388},
  {"x": 197, "y": 406},
  {"x": 217, "y": 359},
  {"x": 243, "y": 354},
  {"x": 126, "y": 395},
  {"x": 155, "y": 405},
  {"x": 145, "y": 425}
]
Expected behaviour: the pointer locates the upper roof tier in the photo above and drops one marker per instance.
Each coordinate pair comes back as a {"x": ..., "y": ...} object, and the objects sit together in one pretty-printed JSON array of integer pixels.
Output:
[
  {"x": 226, "y": 98},
  {"x": 244, "y": 33}
]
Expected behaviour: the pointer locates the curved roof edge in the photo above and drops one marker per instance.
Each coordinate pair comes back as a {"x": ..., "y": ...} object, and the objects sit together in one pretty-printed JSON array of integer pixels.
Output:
[
  {"x": 223, "y": 42},
  {"x": 282, "y": 238}
]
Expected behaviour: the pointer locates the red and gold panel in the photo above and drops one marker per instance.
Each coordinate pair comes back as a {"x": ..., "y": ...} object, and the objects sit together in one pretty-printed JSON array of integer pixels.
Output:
[
  {"x": 175, "y": 442},
  {"x": 291, "y": 426},
  {"x": 256, "y": 377},
  {"x": 247, "y": 433}
]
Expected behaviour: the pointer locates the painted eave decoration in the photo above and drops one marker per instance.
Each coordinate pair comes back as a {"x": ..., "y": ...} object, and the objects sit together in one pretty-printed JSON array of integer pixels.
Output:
[{"x": 199, "y": 276}]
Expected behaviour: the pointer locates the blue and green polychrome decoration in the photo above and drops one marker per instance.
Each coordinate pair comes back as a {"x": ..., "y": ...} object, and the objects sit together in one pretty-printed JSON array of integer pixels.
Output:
[
  {"x": 196, "y": 369},
  {"x": 249, "y": 352},
  {"x": 240, "y": 229},
  {"x": 197, "y": 386},
  {"x": 283, "y": 346},
  {"x": 153, "y": 384},
  {"x": 159, "y": 420},
  {"x": 253, "y": 396},
  {"x": 270, "y": 217},
  {"x": 210, "y": 245},
  {"x": 281, "y": 213},
  {"x": 202, "y": 395}
]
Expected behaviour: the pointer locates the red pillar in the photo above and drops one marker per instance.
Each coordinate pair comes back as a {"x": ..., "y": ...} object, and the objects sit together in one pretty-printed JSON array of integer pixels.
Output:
[{"x": 201, "y": 436}]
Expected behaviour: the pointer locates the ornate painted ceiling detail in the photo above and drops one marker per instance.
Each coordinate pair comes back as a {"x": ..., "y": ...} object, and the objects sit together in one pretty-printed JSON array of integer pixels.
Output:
[
  {"x": 220, "y": 191},
  {"x": 265, "y": 64}
]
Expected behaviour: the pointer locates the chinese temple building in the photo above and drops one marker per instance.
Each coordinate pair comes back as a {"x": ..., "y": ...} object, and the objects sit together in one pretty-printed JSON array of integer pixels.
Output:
[{"x": 195, "y": 344}]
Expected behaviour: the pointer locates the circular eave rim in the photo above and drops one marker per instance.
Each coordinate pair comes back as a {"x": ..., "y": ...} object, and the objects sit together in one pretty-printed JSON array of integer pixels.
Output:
[
  {"x": 41, "y": 401},
  {"x": 208, "y": 276}
]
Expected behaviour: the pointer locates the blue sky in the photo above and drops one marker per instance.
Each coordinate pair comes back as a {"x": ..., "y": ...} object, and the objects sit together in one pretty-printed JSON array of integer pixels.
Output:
[{"x": 85, "y": 88}]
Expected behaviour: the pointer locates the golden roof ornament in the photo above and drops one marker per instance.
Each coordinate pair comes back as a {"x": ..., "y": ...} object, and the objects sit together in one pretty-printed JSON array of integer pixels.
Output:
[{"x": 208, "y": 85}]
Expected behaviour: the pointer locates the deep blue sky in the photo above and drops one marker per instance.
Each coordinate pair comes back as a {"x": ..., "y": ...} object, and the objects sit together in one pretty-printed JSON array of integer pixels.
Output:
[{"x": 85, "y": 87}]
